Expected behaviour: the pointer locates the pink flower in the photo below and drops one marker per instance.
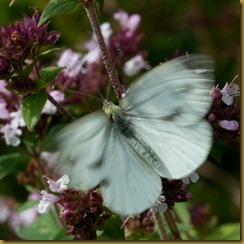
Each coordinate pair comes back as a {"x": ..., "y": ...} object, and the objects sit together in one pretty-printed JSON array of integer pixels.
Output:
[
  {"x": 229, "y": 124},
  {"x": 72, "y": 61},
  {"x": 3, "y": 90},
  {"x": 60, "y": 185},
  {"x": 229, "y": 91},
  {"x": 17, "y": 119},
  {"x": 4, "y": 113},
  {"x": 193, "y": 177},
  {"x": 10, "y": 134},
  {"x": 93, "y": 55},
  {"x": 127, "y": 22},
  {"x": 134, "y": 65},
  {"x": 46, "y": 202}
]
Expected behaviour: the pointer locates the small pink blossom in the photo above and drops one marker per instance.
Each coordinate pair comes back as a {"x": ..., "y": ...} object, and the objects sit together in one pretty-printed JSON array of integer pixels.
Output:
[
  {"x": 46, "y": 202},
  {"x": 127, "y": 22},
  {"x": 231, "y": 125},
  {"x": 60, "y": 185},
  {"x": 72, "y": 61},
  {"x": 3, "y": 90},
  {"x": 229, "y": 91},
  {"x": 10, "y": 134},
  {"x": 134, "y": 65},
  {"x": 193, "y": 177},
  {"x": 17, "y": 119},
  {"x": 160, "y": 204},
  {"x": 94, "y": 55},
  {"x": 49, "y": 108},
  {"x": 4, "y": 113}
]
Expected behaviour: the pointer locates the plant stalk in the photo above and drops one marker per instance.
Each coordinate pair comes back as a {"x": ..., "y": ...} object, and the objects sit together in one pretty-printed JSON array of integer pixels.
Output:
[
  {"x": 106, "y": 58},
  {"x": 172, "y": 225}
]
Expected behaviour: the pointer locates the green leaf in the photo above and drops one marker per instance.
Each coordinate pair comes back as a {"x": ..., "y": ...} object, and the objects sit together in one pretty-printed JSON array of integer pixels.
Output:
[
  {"x": 12, "y": 162},
  {"x": 112, "y": 229},
  {"x": 43, "y": 228},
  {"x": 39, "y": 85},
  {"x": 229, "y": 231},
  {"x": 49, "y": 73},
  {"x": 31, "y": 108},
  {"x": 48, "y": 51},
  {"x": 29, "y": 68},
  {"x": 57, "y": 7}
]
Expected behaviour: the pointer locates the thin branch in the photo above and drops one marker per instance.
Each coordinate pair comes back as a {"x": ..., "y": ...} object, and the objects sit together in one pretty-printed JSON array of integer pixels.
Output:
[
  {"x": 106, "y": 58},
  {"x": 162, "y": 231},
  {"x": 60, "y": 107},
  {"x": 172, "y": 225}
]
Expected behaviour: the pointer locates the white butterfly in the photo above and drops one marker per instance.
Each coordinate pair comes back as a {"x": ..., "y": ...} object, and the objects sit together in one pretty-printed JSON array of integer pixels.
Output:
[{"x": 158, "y": 130}]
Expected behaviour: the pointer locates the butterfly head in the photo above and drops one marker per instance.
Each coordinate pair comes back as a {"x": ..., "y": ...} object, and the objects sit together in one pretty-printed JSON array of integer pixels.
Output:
[{"x": 109, "y": 108}]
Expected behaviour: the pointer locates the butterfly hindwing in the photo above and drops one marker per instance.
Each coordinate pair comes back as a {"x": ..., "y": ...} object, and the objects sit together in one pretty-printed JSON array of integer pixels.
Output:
[
  {"x": 181, "y": 150},
  {"x": 131, "y": 185}
]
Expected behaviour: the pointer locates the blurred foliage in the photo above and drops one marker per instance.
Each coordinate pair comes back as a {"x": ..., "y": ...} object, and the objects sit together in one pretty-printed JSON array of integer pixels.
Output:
[{"x": 210, "y": 27}]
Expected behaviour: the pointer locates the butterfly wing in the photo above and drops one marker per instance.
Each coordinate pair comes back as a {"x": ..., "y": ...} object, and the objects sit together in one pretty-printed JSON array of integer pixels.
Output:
[
  {"x": 131, "y": 185},
  {"x": 167, "y": 106},
  {"x": 181, "y": 150},
  {"x": 82, "y": 144},
  {"x": 176, "y": 90},
  {"x": 94, "y": 152}
]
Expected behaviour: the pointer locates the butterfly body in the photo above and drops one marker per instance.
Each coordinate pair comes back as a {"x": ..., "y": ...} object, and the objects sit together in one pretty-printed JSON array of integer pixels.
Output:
[
  {"x": 157, "y": 130},
  {"x": 122, "y": 123}
]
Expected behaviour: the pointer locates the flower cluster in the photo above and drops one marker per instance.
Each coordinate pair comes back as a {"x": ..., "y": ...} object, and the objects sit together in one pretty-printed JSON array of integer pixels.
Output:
[
  {"x": 82, "y": 213},
  {"x": 11, "y": 116},
  {"x": 86, "y": 72},
  {"x": 175, "y": 191},
  {"x": 224, "y": 114},
  {"x": 20, "y": 44},
  {"x": 23, "y": 40}
]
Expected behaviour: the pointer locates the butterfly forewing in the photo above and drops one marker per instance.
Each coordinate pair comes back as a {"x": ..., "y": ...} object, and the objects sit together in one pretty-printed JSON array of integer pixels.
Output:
[
  {"x": 177, "y": 90},
  {"x": 82, "y": 146}
]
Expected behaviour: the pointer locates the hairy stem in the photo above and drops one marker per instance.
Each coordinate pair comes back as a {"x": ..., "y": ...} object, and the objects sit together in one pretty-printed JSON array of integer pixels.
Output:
[
  {"x": 172, "y": 225},
  {"x": 106, "y": 58},
  {"x": 60, "y": 107}
]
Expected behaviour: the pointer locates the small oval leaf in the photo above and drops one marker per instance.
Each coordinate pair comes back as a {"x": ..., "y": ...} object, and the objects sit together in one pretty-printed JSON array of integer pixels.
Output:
[
  {"x": 31, "y": 108},
  {"x": 49, "y": 73},
  {"x": 57, "y": 7}
]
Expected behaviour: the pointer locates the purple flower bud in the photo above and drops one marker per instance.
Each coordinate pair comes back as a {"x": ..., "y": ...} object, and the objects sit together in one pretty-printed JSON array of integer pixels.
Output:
[{"x": 229, "y": 124}]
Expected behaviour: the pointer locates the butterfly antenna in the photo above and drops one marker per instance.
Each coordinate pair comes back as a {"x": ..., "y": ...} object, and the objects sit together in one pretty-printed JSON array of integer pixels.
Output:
[
  {"x": 101, "y": 95},
  {"x": 85, "y": 94}
]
